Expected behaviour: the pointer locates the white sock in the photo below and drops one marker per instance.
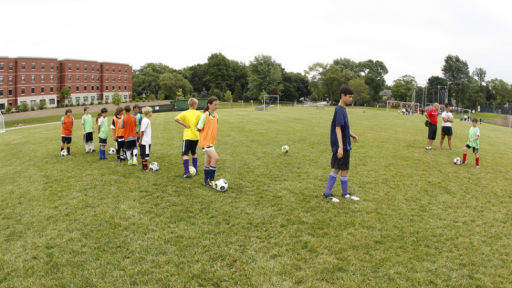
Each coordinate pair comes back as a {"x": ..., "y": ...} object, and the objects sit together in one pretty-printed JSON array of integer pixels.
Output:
[
  {"x": 129, "y": 155},
  {"x": 86, "y": 147},
  {"x": 135, "y": 155},
  {"x": 92, "y": 145}
]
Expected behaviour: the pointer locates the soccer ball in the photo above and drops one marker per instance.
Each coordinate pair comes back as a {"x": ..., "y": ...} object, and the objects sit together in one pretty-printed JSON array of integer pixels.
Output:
[
  {"x": 63, "y": 153},
  {"x": 192, "y": 170},
  {"x": 111, "y": 151},
  {"x": 457, "y": 161},
  {"x": 221, "y": 185},
  {"x": 285, "y": 149},
  {"x": 154, "y": 166}
]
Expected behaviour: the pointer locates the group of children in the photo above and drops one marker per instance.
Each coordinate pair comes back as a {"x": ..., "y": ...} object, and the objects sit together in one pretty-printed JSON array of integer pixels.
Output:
[{"x": 131, "y": 132}]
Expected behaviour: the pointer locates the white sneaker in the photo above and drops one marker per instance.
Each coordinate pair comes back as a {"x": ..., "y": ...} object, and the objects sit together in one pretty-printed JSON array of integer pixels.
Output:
[
  {"x": 330, "y": 196},
  {"x": 350, "y": 196}
]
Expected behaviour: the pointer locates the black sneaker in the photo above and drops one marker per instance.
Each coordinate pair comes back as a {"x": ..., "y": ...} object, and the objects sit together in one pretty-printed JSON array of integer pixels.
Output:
[
  {"x": 186, "y": 175},
  {"x": 331, "y": 197},
  {"x": 463, "y": 162},
  {"x": 93, "y": 150}
]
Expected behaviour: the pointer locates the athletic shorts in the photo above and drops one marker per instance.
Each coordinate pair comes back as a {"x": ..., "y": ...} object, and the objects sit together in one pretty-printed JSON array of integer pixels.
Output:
[
  {"x": 189, "y": 146},
  {"x": 342, "y": 163},
  {"x": 120, "y": 143},
  {"x": 447, "y": 131},
  {"x": 432, "y": 131},
  {"x": 88, "y": 137},
  {"x": 144, "y": 151},
  {"x": 103, "y": 141},
  {"x": 66, "y": 139},
  {"x": 130, "y": 145},
  {"x": 208, "y": 148},
  {"x": 475, "y": 150}
]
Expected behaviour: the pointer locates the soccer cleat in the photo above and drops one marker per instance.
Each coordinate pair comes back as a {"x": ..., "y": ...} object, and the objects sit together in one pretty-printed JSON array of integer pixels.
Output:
[
  {"x": 350, "y": 196},
  {"x": 440, "y": 149},
  {"x": 477, "y": 166},
  {"x": 209, "y": 183},
  {"x": 186, "y": 175},
  {"x": 93, "y": 150},
  {"x": 135, "y": 163},
  {"x": 87, "y": 152},
  {"x": 118, "y": 160},
  {"x": 463, "y": 162},
  {"x": 331, "y": 197},
  {"x": 431, "y": 148},
  {"x": 452, "y": 149}
]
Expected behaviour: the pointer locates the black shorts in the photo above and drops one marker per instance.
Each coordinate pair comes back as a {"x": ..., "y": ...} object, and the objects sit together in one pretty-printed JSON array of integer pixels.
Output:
[
  {"x": 189, "y": 146},
  {"x": 88, "y": 137},
  {"x": 475, "y": 150},
  {"x": 103, "y": 141},
  {"x": 446, "y": 131},
  {"x": 119, "y": 143},
  {"x": 342, "y": 163},
  {"x": 432, "y": 131},
  {"x": 66, "y": 139},
  {"x": 144, "y": 151},
  {"x": 130, "y": 145}
]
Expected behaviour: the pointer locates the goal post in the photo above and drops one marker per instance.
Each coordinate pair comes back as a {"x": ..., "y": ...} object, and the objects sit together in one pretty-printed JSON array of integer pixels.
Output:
[
  {"x": 268, "y": 103},
  {"x": 2, "y": 123}
]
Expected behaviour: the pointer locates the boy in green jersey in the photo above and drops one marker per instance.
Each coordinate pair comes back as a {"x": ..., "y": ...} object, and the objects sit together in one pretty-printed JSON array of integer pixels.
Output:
[
  {"x": 103, "y": 133},
  {"x": 474, "y": 142},
  {"x": 87, "y": 131}
]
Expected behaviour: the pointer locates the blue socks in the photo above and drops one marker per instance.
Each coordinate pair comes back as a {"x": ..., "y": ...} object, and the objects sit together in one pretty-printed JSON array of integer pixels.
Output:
[
  {"x": 206, "y": 174},
  {"x": 194, "y": 162},
  {"x": 102, "y": 153},
  {"x": 212, "y": 173},
  {"x": 344, "y": 184},
  {"x": 186, "y": 165},
  {"x": 330, "y": 183}
]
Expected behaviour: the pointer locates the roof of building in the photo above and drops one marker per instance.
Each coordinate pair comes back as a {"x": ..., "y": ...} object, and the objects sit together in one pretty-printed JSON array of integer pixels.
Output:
[
  {"x": 31, "y": 57},
  {"x": 387, "y": 92}
]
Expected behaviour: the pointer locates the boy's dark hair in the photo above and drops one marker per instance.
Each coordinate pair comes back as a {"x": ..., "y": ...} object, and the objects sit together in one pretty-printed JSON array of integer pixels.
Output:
[
  {"x": 346, "y": 90},
  {"x": 474, "y": 119},
  {"x": 103, "y": 110},
  {"x": 67, "y": 111},
  {"x": 446, "y": 105},
  {"x": 99, "y": 116},
  {"x": 127, "y": 108},
  {"x": 119, "y": 110},
  {"x": 85, "y": 108},
  {"x": 136, "y": 106},
  {"x": 210, "y": 101}
]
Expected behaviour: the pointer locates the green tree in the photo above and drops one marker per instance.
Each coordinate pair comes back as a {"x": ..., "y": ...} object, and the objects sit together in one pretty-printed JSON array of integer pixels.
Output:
[
  {"x": 432, "y": 88},
  {"x": 373, "y": 73},
  {"x": 407, "y": 80},
  {"x": 152, "y": 97},
  {"x": 218, "y": 72},
  {"x": 65, "y": 93},
  {"x": 501, "y": 90},
  {"x": 240, "y": 76},
  {"x": 456, "y": 71},
  {"x": 215, "y": 93},
  {"x": 347, "y": 64},
  {"x": 227, "y": 96},
  {"x": 179, "y": 95},
  {"x": 170, "y": 83},
  {"x": 147, "y": 78},
  {"x": 116, "y": 98},
  {"x": 326, "y": 79},
  {"x": 360, "y": 91},
  {"x": 161, "y": 96},
  {"x": 41, "y": 105},
  {"x": 264, "y": 74},
  {"x": 401, "y": 91},
  {"x": 23, "y": 107},
  {"x": 204, "y": 94},
  {"x": 238, "y": 92}
]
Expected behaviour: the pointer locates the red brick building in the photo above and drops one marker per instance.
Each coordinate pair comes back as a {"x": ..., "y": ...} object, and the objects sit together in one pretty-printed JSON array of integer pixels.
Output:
[{"x": 31, "y": 80}]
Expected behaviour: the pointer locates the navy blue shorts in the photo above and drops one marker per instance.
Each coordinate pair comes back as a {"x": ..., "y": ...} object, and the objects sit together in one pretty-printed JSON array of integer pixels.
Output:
[{"x": 144, "y": 151}]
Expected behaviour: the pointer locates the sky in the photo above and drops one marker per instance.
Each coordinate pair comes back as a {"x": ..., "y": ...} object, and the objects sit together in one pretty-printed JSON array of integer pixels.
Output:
[{"x": 410, "y": 37}]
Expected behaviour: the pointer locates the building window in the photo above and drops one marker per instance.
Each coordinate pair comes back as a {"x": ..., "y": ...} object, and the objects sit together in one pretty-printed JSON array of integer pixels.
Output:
[
  {"x": 113, "y": 69},
  {"x": 125, "y": 79},
  {"x": 42, "y": 89},
  {"x": 69, "y": 78},
  {"x": 23, "y": 79},
  {"x": 113, "y": 88},
  {"x": 33, "y": 90},
  {"x": 33, "y": 78},
  {"x": 85, "y": 67},
  {"x": 92, "y": 88},
  {"x": 98, "y": 69},
  {"x": 10, "y": 92},
  {"x": 93, "y": 98},
  {"x": 85, "y": 99},
  {"x": 69, "y": 67},
  {"x": 1, "y": 92},
  {"x": 125, "y": 70},
  {"x": 2, "y": 66},
  {"x": 10, "y": 79},
  {"x": 1, "y": 79},
  {"x": 69, "y": 100},
  {"x": 51, "y": 66},
  {"x": 22, "y": 91},
  {"x": 124, "y": 88},
  {"x": 33, "y": 66},
  {"x": 32, "y": 103},
  {"x": 107, "y": 78},
  {"x": 107, "y": 68},
  {"x": 69, "y": 87},
  {"x": 77, "y": 89},
  {"x": 119, "y": 88},
  {"x": 119, "y": 69},
  {"x": 42, "y": 78},
  {"x": 106, "y": 88},
  {"x": 85, "y": 77},
  {"x": 125, "y": 97},
  {"x": 77, "y": 100},
  {"x": 10, "y": 67},
  {"x": 52, "y": 101},
  {"x": 42, "y": 66},
  {"x": 22, "y": 66},
  {"x": 106, "y": 97},
  {"x": 85, "y": 88},
  {"x": 77, "y": 67},
  {"x": 77, "y": 78},
  {"x": 51, "y": 89},
  {"x": 97, "y": 88},
  {"x": 51, "y": 78},
  {"x": 2, "y": 105},
  {"x": 97, "y": 78},
  {"x": 92, "y": 68}
]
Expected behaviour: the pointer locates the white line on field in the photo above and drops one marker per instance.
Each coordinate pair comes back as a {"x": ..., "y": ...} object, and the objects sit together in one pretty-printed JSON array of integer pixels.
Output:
[{"x": 33, "y": 125}]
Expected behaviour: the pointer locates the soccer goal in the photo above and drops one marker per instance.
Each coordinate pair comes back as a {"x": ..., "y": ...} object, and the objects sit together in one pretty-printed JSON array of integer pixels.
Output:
[
  {"x": 2, "y": 124},
  {"x": 268, "y": 103}
]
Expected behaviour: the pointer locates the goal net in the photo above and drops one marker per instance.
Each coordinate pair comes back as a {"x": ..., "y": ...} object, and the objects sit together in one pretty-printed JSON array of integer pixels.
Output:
[
  {"x": 268, "y": 103},
  {"x": 2, "y": 124}
]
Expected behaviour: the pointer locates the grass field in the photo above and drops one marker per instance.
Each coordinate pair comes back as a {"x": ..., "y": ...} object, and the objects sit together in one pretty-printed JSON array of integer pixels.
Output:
[{"x": 422, "y": 221}]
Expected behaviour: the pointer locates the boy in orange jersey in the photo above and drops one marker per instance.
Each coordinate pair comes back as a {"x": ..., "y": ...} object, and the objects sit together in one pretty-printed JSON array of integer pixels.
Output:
[
  {"x": 207, "y": 126},
  {"x": 66, "y": 132},
  {"x": 118, "y": 132},
  {"x": 129, "y": 124}
]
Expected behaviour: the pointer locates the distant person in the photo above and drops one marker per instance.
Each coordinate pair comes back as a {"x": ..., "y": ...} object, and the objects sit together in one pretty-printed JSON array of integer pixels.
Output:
[
  {"x": 189, "y": 120},
  {"x": 480, "y": 120},
  {"x": 473, "y": 142},
  {"x": 465, "y": 118},
  {"x": 446, "y": 127},
  {"x": 431, "y": 116},
  {"x": 340, "y": 146},
  {"x": 461, "y": 117},
  {"x": 103, "y": 133},
  {"x": 145, "y": 137},
  {"x": 422, "y": 110},
  {"x": 207, "y": 127},
  {"x": 87, "y": 131},
  {"x": 67, "y": 122}
]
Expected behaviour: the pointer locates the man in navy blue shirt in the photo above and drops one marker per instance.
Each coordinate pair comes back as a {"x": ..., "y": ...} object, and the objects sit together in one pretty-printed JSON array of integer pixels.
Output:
[{"x": 340, "y": 146}]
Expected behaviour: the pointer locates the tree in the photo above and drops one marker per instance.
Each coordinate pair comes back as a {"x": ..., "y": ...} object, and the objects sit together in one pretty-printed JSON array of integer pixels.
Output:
[
  {"x": 407, "y": 80},
  {"x": 215, "y": 93},
  {"x": 456, "y": 71},
  {"x": 264, "y": 74},
  {"x": 373, "y": 73},
  {"x": 326, "y": 79},
  {"x": 479, "y": 74},
  {"x": 227, "y": 96},
  {"x": 161, "y": 96},
  {"x": 501, "y": 90},
  {"x": 401, "y": 91},
  {"x": 433, "y": 89},
  {"x": 347, "y": 64},
  {"x": 152, "y": 97},
  {"x": 65, "y": 93},
  {"x": 238, "y": 92},
  {"x": 204, "y": 94},
  {"x": 170, "y": 83},
  {"x": 179, "y": 95},
  {"x": 116, "y": 98},
  {"x": 147, "y": 79},
  {"x": 360, "y": 91},
  {"x": 218, "y": 72}
]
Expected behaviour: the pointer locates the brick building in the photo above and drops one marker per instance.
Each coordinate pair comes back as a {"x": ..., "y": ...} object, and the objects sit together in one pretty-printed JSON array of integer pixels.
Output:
[{"x": 31, "y": 80}]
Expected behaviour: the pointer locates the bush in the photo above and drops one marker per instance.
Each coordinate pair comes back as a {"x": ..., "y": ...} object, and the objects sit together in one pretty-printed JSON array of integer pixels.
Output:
[
  {"x": 152, "y": 97},
  {"x": 106, "y": 101},
  {"x": 143, "y": 100},
  {"x": 71, "y": 105},
  {"x": 83, "y": 104},
  {"x": 8, "y": 109},
  {"x": 131, "y": 101},
  {"x": 99, "y": 102},
  {"x": 17, "y": 108},
  {"x": 32, "y": 108},
  {"x": 41, "y": 105},
  {"x": 67, "y": 105},
  {"x": 161, "y": 96},
  {"x": 92, "y": 103},
  {"x": 23, "y": 107}
]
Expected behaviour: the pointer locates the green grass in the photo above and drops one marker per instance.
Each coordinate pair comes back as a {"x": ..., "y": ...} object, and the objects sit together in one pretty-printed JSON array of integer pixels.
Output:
[{"x": 421, "y": 221}]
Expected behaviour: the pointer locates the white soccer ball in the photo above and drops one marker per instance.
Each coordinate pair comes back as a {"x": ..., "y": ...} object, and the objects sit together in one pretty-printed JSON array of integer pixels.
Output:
[
  {"x": 154, "y": 166},
  {"x": 457, "y": 161},
  {"x": 63, "y": 153},
  {"x": 111, "y": 151},
  {"x": 192, "y": 170},
  {"x": 221, "y": 185},
  {"x": 285, "y": 149}
]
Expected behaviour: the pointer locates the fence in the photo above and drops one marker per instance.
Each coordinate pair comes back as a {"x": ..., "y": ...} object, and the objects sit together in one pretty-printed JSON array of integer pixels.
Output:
[{"x": 496, "y": 109}]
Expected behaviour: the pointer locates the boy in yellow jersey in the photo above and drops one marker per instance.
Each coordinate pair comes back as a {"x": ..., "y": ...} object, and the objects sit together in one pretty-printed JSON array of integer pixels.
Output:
[
  {"x": 189, "y": 120},
  {"x": 207, "y": 126}
]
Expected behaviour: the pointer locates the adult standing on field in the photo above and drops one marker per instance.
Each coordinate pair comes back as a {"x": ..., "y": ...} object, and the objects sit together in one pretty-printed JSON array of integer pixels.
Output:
[
  {"x": 431, "y": 116},
  {"x": 446, "y": 128}
]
